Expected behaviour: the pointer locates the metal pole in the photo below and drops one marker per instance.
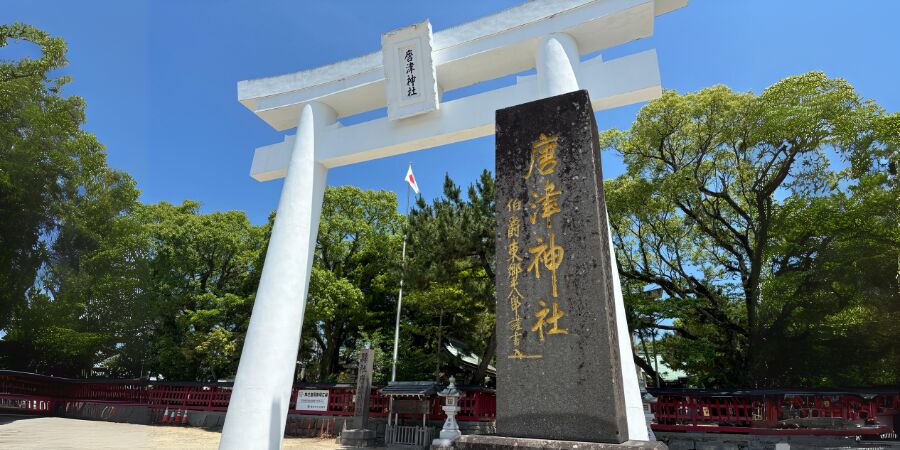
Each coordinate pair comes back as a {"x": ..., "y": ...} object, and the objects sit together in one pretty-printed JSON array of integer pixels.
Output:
[{"x": 400, "y": 297}]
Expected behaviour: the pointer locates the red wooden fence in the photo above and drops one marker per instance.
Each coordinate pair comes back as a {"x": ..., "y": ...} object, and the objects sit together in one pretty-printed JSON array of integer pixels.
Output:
[
  {"x": 752, "y": 412},
  {"x": 19, "y": 387},
  {"x": 777, "y": 412}
]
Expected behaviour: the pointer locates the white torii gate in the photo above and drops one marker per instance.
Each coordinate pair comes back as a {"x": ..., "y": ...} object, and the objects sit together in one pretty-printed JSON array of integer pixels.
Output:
[{"x": 548, "y": 35}]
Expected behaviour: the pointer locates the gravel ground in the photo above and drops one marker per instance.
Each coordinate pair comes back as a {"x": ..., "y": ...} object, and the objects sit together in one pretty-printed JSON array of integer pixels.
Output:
[{"x": 29, "y": 432}]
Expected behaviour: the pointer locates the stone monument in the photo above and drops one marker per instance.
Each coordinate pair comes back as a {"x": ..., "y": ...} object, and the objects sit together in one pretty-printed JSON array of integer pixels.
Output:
[
  {"x": 360, "y": 435},
  {"x": 559, "y": 376}
]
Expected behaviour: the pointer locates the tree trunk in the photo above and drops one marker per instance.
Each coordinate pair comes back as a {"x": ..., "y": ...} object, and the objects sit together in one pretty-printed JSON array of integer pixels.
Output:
[
  {"x": 655, "y": 358},
  {"x": 644, "y": 366},
  {"x": 486, "y": 356},
  {"x": 753, "y": 296},
  {"x": 331, "y": 354},
  {"x": 438, "y": 348},
  {"x": 640, "y": 333}
]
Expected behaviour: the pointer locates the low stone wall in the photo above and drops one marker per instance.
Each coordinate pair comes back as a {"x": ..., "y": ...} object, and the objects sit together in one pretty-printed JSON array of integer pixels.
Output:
[
  {"x": 711, "y": 441},
  {"x": 327, "y": 426},
  {"x": 297, "y": 424},
  {"x": 137, "y": 414},
  {"x": 205, "y": 419}
]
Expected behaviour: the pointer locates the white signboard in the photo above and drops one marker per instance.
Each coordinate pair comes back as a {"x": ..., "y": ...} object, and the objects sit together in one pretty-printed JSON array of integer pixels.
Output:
[
  {"x": 410, "y": 85},
  {"x": 312, "y": 400}
]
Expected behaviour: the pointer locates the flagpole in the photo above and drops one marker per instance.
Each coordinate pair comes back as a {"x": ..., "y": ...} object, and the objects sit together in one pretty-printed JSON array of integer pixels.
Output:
[{"x": 400, "y": 297}]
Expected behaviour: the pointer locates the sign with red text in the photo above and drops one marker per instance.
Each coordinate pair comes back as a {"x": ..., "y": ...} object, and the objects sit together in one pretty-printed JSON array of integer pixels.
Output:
[{"x": 312, "y": 400}]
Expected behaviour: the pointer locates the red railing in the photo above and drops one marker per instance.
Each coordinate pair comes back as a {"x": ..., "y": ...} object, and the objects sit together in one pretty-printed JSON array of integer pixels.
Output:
[
  {"x": 19, "y": 389},
  {"x": 776, "y": 412},
  {"x": 749, "y": 412}
]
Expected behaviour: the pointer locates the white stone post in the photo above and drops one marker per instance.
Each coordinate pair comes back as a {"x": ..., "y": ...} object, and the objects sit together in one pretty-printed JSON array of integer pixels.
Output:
[
  {"x": 557, "y": 67},
  {"x": 557, "y": 63},
  {"x": 260, "y": 400},
  {"x": 634, "y": 405}
]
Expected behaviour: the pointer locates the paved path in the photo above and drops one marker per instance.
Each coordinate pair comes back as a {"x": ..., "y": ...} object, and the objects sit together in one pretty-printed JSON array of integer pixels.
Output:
[{"x": 29, "y": 432}]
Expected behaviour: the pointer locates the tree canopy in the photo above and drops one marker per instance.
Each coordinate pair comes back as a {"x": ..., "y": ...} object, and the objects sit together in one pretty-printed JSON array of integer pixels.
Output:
[
  {"x": 733, "y": 207},
  {"x": 354, "y": 281},
  {"x": 451, "y": 272},
  {"x": 65, "y": 257}
]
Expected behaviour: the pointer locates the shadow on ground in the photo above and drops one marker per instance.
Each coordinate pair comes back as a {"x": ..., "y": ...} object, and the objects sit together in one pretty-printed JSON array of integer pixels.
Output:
[{"x": 7, "y": 418}]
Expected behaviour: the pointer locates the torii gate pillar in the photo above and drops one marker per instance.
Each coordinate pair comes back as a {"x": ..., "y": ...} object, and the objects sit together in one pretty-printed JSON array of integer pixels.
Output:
[
  {"x": 556, "y": 64},
  {"x": 262, "y": 389}
]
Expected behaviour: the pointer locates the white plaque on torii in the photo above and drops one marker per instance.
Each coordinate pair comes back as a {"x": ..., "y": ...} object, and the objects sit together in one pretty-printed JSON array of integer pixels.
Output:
[
  {"x": 550, "y": 36},
  {"x": 409, "y": 77}
]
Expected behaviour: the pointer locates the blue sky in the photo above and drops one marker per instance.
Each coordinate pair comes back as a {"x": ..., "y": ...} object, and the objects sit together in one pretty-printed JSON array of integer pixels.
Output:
[{"x": 160, "y": 78}]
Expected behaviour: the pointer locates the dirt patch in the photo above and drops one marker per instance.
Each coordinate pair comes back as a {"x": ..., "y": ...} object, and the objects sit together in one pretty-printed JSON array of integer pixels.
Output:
[{"x": 25, "y": 432}]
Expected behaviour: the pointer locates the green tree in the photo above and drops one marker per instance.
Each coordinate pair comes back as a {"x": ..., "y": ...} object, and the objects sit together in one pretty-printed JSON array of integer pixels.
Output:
[
  {"x": 203, "y": 275},
  {"x": 700, "y": 208},
  {"x": 353, "y": 284},
  {"x": 67, "y": 266},
  {"x": 451, "y": 269},
  {"x": 832, "y": 288}
]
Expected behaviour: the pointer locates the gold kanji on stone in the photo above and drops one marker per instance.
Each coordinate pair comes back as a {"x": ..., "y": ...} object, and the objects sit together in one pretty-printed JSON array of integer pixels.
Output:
[
  {"x": 549, "y": 201},
  {"x": 543, "y": 154},
  {"x": 553, "y": 320},
  {"x": 550, "y": 255},
  {"x": 514, "y": 227},
  {"x": 513, "y": 270}
]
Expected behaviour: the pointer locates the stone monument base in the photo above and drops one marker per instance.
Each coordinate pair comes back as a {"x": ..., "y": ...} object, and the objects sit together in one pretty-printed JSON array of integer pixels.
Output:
[
  {"x": 357, "y": 438},
  {"x": 481, "y": 442}
]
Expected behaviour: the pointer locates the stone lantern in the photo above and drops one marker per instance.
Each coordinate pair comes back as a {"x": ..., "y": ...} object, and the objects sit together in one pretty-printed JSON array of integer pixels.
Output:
[{"x": 450, "y": 432}]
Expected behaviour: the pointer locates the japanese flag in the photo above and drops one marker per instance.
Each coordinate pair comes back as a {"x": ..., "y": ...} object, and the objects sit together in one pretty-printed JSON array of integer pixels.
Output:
[{"x": 411, "y": 179}]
